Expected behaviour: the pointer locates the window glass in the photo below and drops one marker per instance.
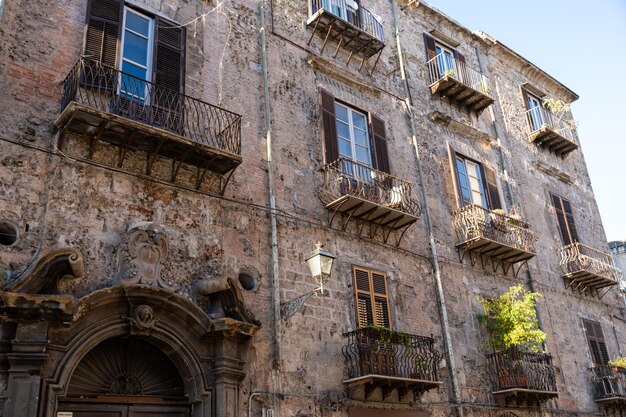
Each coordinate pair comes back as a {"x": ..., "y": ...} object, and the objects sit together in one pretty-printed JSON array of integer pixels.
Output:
[
  {"x": 354, "y": 140},
  {"x": 471, "y": 183},
  {"x": 536, "y": 111},
  {"x": 445, "y": 60},
  {"x": 137, "y": 45}
]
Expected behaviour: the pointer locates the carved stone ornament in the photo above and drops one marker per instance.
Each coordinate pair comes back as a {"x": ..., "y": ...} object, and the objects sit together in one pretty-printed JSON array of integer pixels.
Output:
[
  {"x": 148, "y": 251},
  {"x": 144, "y": 317}
]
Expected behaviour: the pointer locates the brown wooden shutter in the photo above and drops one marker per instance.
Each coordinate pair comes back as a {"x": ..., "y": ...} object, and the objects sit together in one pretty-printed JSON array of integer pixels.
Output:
[
  {"x": 104, "y": 19},
  {"x": 431, "y": 50},
  {"x": 378, "y": 136},
  {"x": 329, "y": 126},
  {"x": 597, "y": 344},
  {"x": 372, "y": 300},
  {"x": 493, "y": 195},
  {"x": 169, "y": 55},
  {"x": 455, "y": 172},
  {"x": 565, "y": 219},
  {"x": 525, "y": 97},
  {"x": 460, "y": 66}
]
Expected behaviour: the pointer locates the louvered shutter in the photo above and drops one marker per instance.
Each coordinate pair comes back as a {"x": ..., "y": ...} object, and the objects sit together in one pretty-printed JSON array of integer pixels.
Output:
[
  {"x": 372, "y": 301},
  {"x": 169, "y": 55},
  {"x": 381, "y": 303},
  {"x": 380, "y": 157},
  {"x": 565, "y": 219},
  {"x": 429, "y": 42},
  {"x": 103, "y": 23},
  {"x": 597, "y": 344},
  {"x": 525, "y": 97},
  {"x": 492, "y": 189},
  {"x": 329, "y": 126},
  {"x": 431, "y": 53},
  {"x": 569, "y": 218},
  {"x": 168, "y": 75},
  {"x": 455, "y": 172}
]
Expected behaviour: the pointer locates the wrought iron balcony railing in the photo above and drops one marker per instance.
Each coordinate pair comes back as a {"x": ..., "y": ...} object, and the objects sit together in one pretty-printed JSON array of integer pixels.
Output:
[
  {"x": 587, "y": 268},
  {"x": 382, "y": 352},
  {"x": 540, "y": 118},
  {"x": 109, "y": 90},
  {"x": 512, "y": 369},
  {"x": 444, "y": 65},
  {"x": 549, "y": 131},
  {"x": 473, "y": 221},
  {"x": 358, "y": 17},
  {"x": 347, "y": 177},
  {"x": 608, "y": 382}
]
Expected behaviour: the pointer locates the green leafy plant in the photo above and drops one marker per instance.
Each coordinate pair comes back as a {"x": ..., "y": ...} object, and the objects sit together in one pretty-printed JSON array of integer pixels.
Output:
[
  {"x": 618, "y": 361},
  {"x": 484, "y": 87},
  {"x": 449, "y": 73},
  {"x": 511, "y": 320},
  {"x": 559, "y": 108}
]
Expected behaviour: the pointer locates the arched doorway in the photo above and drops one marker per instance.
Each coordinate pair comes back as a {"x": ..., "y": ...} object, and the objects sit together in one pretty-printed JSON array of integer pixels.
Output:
[{"x": 125, "y": 377}]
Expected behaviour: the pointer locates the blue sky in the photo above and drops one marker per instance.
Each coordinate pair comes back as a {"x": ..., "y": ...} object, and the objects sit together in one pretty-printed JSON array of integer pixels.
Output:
[{"x": 583, "y": 45}]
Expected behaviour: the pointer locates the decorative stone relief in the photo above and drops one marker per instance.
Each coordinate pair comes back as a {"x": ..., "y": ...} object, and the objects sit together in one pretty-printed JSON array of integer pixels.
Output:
[
  {"x": 144, "y": 317},
  {"x": 148, "y": 250}
]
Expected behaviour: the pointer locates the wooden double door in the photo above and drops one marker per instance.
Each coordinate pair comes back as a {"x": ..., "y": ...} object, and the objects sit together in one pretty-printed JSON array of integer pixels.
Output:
[{"x": 121, "y": 410}]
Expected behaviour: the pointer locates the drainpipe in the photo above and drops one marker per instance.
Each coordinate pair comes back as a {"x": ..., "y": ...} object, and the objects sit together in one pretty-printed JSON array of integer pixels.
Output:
[
  {"x": 509, "y": 191},
  {"x": 441, "y": 303},
  {"x": 272, "y": 202}
]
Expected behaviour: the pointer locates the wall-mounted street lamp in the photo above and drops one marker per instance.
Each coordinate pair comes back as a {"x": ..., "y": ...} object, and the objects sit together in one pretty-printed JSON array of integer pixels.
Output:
[{"x": 320, "y": 263}]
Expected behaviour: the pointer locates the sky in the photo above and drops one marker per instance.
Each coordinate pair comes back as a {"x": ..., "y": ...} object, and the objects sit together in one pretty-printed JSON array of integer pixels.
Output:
[{"x": 583, "y": 45}]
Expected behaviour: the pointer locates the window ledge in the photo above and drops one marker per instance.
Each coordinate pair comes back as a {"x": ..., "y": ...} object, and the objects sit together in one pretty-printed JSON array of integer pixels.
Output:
[{"x": 462, "y": 128}]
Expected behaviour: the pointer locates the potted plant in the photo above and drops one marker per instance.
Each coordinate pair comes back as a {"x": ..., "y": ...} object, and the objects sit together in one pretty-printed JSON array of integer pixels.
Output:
[
  {"x": 449, "y": 73},
  {"x": 619, "y": 364},
  {"x": 511, "y": 321}
]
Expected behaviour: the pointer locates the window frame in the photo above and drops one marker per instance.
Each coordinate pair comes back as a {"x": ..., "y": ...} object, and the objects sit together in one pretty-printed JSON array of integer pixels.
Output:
[
  {"x": 599, "y": 339},
  {"x": 483, "y": 182},
  {"x": 449, "y": 54},
  {"x": 351, "y": 111},
  {"x": 373, "y": 295},
  {"x": 572, "y": 237},
  {"x": 149, "y": 53}
]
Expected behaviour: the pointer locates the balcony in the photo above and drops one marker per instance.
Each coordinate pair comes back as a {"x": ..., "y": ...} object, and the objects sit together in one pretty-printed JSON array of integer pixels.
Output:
[
  {"x": 349, "y": 24},
  {"x": 107, "y": 105},
  {"x": 454, "y": 79},
  {"x": 588, "y": 270},
  {"x": 609, "y": 387},
  {"x": 381, "y": 358},
  {"x": 522, "y": 378},
  {"x": 548, "y": 131},
  {"x": 490, "y": 236},
  {"x": 369, "y": 197}
]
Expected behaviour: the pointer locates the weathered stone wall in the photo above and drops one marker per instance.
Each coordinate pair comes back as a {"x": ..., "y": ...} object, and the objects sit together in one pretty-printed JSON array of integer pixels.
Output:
[{"x": 59, "y": 198}]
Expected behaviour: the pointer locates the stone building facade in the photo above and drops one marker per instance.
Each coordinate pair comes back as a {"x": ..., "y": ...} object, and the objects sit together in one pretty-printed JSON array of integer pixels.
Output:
[{"x": 167, "y": 166}]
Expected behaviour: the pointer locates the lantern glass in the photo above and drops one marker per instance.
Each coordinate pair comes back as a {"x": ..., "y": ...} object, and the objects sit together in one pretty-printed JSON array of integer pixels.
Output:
[{"x": 320, "y": 261}]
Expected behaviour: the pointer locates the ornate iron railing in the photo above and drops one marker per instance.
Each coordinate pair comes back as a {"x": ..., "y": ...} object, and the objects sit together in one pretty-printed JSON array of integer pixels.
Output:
[
  {"x": 357, "y": 16},
  {"x": 608, "y": 382},
  {"x": 473, "y": 221},
  {"x": 513, "y": 368},
  {"x": 578, "y": 257},
  {"x": 444, "y": 65},
  {"x": 347, "y": 177},
  {"x": 540, "y": 117},
  {"x": 376, "y": 351},
  {"x": 109, "y": 90}
]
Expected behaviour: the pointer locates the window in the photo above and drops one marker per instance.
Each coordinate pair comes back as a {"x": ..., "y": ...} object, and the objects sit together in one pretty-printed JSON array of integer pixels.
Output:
[
  {"x": 357, "y": 136},
  {"x": 565, "y": 219},
  {"x": 150, "y": 48},
  {"x": 352, "y": 134},
  {"x": 597, "y": 345},
  {"x": 476, "y": 184},
  {"x": 443, "y": 60},
  {"x": 372, "y": 300},
  {"x": 137, "y": 47},
  {"x": 534, "y": 111}
]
